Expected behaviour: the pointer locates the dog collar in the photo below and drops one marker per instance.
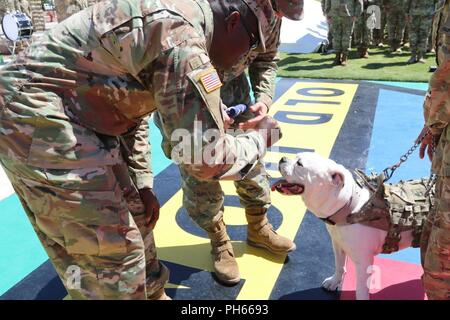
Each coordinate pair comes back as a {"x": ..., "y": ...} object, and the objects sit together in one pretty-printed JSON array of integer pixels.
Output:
[{"x": 340, "y": 216}]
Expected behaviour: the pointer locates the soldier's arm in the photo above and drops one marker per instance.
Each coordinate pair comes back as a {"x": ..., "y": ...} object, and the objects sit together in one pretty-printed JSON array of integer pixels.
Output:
[
  {"x": 263, "y": 70},
  {"x": 437, "y": 111},
  {"x": 136, "y": 150},
  {"x": 188, "y": 98}
]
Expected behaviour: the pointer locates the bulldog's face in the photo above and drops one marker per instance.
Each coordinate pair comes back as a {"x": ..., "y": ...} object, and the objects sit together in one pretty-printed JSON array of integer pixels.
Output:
[{"x": 320, "y": 182}]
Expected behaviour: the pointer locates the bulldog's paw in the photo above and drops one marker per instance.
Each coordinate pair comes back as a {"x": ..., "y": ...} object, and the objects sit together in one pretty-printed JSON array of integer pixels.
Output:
[{"x": 331, "y": 283}]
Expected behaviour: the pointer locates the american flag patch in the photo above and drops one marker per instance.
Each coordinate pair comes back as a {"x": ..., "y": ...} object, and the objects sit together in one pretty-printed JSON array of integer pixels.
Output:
[{"x": 211, "y": 81}]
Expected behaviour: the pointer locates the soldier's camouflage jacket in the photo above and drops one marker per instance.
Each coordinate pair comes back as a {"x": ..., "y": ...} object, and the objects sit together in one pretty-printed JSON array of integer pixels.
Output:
[
  {"x": 262, "y": 67},
  {"x": 103, "y": 70},
  {"x": 437, "y": 107}
]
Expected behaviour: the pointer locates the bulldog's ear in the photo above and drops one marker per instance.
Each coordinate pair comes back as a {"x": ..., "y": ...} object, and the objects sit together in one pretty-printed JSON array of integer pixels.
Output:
[{"x": 337, "y": 179}]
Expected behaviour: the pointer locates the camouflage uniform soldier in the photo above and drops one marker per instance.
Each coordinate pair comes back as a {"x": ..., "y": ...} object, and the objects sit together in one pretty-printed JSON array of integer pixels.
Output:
[
  {"x": 72, "y": 135},
  {"x": 431, "y": 44},
  {"x": 23, "y": 6},
  {"x": 362, "y": 32},
  {"x": 330, "y": 33},
  {"x": 420, "y": 18},
  {"x": 435, "y": 242},
  {"x": 379, "y": 34},
  {"x": 343, "y": 14},
  {"x": 203, "y": 200},
  {"x": 396, "y": 22},
  {"x": 66, "y": 8}
]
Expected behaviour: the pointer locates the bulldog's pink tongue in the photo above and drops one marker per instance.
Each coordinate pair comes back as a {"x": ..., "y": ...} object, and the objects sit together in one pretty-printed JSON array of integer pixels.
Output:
[{"x": 284, "y": 187}]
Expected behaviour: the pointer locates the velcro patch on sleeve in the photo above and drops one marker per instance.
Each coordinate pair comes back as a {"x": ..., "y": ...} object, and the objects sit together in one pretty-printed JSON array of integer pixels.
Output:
[
  {"x": 210, "y": 81},
  {"x": 195, "y": 62}
]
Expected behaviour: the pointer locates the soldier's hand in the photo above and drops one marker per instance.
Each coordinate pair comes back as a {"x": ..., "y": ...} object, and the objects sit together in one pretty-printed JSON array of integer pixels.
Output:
[
  {"x": 228, "y": 121},
  {"x": 260, "y": 109},
  {"x": 408, "y": 18},
  {"x": 426, "y": 144},
  {"x": 151, "y": 203},
  {"x": 270, "y": 130}
]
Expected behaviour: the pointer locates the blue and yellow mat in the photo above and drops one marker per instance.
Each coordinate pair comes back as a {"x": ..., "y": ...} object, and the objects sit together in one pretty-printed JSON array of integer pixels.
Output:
[{"x": 359, "y": 124}]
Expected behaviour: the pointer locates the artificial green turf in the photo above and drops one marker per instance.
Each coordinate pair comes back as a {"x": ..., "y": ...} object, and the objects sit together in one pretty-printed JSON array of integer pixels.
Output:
[{"x": 381, "y": 65}]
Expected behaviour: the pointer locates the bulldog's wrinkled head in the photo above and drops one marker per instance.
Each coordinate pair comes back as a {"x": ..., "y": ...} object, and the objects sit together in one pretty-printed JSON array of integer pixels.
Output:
[{"x": 320, "y": 181}]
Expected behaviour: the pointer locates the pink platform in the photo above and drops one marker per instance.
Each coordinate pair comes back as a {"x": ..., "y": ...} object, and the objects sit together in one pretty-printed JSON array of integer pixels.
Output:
[{"x": 397, "y": 281}]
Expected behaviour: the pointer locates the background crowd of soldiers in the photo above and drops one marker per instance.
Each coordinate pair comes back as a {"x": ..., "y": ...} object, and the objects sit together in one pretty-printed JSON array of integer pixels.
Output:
[
  {"x": 351, "y": 22},
  {"x": 34, "y": 9},
  {"x": 354, "y": 22}
]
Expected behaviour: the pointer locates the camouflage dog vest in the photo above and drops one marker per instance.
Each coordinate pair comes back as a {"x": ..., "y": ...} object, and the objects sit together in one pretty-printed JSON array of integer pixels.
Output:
[{"x": 394, "y": 208}]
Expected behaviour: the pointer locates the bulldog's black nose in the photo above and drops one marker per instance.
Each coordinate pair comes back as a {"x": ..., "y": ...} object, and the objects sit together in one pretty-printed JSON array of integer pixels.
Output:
[{"x": 283, "y": 160}]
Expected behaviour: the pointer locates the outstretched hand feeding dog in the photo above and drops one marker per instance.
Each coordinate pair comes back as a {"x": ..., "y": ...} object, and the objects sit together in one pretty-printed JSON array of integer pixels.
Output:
[{"x": 326, "y": 188}]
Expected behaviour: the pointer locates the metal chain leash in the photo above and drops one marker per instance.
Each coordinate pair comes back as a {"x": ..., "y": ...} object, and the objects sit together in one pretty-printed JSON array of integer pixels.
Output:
[{"x": 389, "y": 171}]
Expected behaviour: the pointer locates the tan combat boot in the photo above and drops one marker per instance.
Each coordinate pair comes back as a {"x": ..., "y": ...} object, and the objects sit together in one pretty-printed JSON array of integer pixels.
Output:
[
  {"x": 163, "y": 277},
  {"x": 225, "y": 265},
  {"x": 364, "y": 53},
  {"x": 260, "y": 233},
  {"x": 344, "y": 59},
  {"x": 337, "y": 59},
  {"x": 159, "y": 295},
  {"x": 413, "y": 59},
  {"x": 420, "y": 58}
]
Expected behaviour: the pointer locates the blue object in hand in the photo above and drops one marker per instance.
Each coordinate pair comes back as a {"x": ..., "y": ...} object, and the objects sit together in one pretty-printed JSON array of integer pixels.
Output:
[{"x": 236, "y": 110}]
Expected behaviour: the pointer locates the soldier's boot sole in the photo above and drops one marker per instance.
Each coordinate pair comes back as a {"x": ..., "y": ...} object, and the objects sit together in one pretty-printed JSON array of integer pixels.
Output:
[
  {"x": 228, "y": 272},
  {"x": 337, "y": 60},
  {"x": 412, "y": 60},
  {"x": 420, "y": 59},
  {"x": 364, "y": 54},
  {"x": 260, "y": 233},
  {"x": 160, "y": 295},
  {"x": 227, "y": 282},
  {"x": 268, "y": 248}
]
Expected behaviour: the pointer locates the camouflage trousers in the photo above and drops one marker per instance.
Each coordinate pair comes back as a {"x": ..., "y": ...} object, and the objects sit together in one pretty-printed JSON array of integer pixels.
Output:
[
  {"x": 435, "y": 240},
  {"x": 204, "y": 200},
  {"x": 87, "y": 221},
  {"x": 379, "y": 34},
  {"x": 420, "y": 28},
  {"x": 342, "y": 29},
  {"x": 396, "y": 23},
  {"x": 66, "y": 8},
  {"x": 435, "y": 245},
  {"x": 362, "y": 33}
]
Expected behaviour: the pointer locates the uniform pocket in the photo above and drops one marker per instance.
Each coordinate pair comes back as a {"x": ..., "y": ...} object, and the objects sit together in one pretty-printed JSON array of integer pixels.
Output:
[
  {"x": 61, "y": 144},
  {"x": 104, "y": 241},
  {"x": 94, "y": 208}
]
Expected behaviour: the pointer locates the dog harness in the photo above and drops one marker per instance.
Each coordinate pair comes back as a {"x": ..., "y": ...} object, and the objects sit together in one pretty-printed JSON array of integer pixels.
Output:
[{"x": 394, "y": 208}]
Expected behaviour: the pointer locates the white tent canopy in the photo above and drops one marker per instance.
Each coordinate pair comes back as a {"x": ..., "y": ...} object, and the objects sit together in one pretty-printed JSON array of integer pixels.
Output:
[{"x": 304, "y": 36}]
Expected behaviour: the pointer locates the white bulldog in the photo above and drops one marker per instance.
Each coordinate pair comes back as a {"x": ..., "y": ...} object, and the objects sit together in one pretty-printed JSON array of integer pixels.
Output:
[{"x": 326, "y": 189}]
